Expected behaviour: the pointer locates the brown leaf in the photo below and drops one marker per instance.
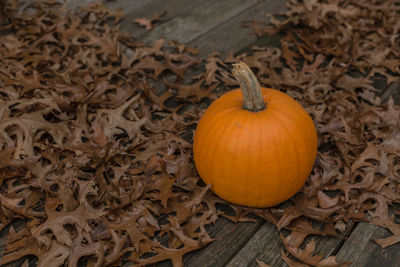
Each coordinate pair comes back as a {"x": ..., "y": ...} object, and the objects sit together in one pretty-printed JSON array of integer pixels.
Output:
[
  {"x": 262, "y": 264},
  {"x": 306, "y": 256},
  {"x": 149, "y": 24},
  {"x": 325, "y": 201},
  {"x": 393, "y": 227},
  {"x": 96, "y": 130}
]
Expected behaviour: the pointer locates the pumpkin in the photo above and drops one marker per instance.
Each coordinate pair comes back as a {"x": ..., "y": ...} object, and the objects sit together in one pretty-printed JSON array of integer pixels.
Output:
[{"x": 255, "y": 146}]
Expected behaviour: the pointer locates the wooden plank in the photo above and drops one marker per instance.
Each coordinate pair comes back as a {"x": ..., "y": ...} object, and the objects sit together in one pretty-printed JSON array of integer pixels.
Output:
[
  {"x": 222, "y": 250},
  {"x": 393, "y": 91},
  {"x": 229, "y": 240},
  {"x": 231, "y": 35},
  {"x": 266, "y": 246},
  {"x": 134, "y": 9},
  {"x": 199, "y": 20},
  {"x": 360, "y": 248},
  {"x": 148, "y": 9},
  {"x": 129, "y": 6},
  {"x": 219, "y": 252},
  {"x": 73, "y": 4}
]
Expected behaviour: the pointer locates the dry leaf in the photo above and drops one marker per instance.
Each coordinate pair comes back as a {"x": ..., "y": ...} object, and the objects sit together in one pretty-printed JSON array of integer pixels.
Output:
[
  {"x": 149, "y": 24},
  {"x": 96, "y": 131}
]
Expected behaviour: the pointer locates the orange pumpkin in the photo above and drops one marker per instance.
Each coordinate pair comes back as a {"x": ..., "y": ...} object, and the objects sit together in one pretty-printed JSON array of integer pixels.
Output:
[{"x": 257, "y": 150}]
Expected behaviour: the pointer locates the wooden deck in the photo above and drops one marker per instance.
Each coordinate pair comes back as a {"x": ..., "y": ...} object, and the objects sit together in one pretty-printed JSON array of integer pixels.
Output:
[{"x": 216, "y": 26}]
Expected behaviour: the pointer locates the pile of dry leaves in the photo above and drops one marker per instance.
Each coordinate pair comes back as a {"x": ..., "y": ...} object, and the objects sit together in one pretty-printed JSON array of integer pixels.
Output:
[{"x": 96, "y": 131}]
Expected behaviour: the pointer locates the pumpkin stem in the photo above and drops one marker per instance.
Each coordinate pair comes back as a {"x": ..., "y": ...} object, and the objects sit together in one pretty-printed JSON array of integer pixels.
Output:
[{"x": 251, "y": 91}]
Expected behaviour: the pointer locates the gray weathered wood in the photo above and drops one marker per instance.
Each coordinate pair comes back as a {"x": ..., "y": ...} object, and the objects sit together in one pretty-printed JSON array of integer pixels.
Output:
[
  {"x": 222, "y": 250},
  {"x": 128, "y": 6},
  {"x": 328, "y": 246},
  {"x": 73, "y": 4},
  {"x": 131, "y": 9},
  {"x": 231, "y": 36},
  {"x": 266, "y": 246},
  {"x": 149, "y": 9},
  {"x": 199, "y": 20},
  {"x": 229, "y": 240},
  {"x": 392, "y": 91},
  {"x": 135, "y": 9},
  {"x": 361, "y": 250},
  {"x": 209, "y": 26}
]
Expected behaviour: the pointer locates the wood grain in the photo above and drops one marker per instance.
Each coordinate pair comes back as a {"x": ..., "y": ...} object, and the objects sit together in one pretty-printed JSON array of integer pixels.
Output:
[
  {"x": 199, "y": 20},
  {"x": 266, "y": 246},
  {"x": 223, "y": 249},
  {"x": 149, "y": 9},
  {"x": 229, "y": 240},
  {"x": 361, "y": 250},
  {"x": 231, "y": 36}
]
